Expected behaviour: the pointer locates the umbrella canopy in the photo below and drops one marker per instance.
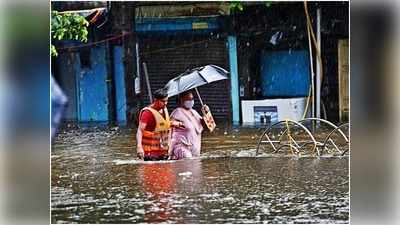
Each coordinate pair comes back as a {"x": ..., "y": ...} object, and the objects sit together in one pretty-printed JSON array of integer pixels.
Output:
[{"x": 195, "y": 78}]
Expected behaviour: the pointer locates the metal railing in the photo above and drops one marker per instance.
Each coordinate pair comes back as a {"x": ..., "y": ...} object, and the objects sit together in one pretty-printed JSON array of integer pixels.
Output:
[{"x": 300, "y": 137}]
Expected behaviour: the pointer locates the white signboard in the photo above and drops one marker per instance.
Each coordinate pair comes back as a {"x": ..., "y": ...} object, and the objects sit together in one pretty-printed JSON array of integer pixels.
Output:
[{"x": 272, "y": 110}]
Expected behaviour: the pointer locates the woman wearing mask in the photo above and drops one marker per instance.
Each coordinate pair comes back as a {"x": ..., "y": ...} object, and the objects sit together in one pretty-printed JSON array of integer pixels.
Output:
[{"x": 186, "y": 142}]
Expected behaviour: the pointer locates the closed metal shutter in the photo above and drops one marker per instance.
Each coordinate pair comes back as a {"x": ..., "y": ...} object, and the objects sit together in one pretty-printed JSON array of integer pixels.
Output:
[{"x": 168, "y": 56}]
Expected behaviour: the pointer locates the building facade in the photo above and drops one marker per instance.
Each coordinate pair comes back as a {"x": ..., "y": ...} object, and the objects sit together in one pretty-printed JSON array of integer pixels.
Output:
[{"x": 265, "y": 49}]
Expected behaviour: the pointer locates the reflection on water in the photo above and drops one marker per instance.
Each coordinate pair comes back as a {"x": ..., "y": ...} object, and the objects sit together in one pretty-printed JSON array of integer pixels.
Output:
[{"x": 95, "y": 179}]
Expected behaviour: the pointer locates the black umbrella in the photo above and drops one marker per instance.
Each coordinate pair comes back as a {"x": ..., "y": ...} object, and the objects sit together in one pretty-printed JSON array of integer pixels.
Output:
[{"x": 195, "y": 78}]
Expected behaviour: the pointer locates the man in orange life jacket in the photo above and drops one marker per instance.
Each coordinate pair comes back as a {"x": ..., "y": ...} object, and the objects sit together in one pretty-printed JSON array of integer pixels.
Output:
[{"x": 153, "y": 134}]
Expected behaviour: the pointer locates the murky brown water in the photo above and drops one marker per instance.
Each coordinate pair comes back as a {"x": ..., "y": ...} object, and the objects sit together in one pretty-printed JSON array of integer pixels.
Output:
[{"x": 95, "y": 179}]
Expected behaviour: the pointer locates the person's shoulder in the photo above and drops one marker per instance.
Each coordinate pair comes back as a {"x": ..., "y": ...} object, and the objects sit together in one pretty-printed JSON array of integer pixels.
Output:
[
  {"x": 146, "y": 111},
  {"x": 196, "y": 113},
  {"x": 146, "y": 114},
  {"x": 176, "y": 111}
]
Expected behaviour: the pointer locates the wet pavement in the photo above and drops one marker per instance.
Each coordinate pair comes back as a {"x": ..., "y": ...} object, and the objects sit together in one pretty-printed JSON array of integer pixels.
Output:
[{"x": 96, "y": 179}]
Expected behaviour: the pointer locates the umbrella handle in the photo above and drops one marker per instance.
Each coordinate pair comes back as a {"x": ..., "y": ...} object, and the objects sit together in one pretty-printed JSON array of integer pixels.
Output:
[
  {"x": 207, "y": 116},
  {"x": 198, "y": 95}
]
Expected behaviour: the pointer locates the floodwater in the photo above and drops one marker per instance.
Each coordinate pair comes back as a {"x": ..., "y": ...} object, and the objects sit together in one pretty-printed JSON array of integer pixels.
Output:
[{"x": 96, "y": 179}]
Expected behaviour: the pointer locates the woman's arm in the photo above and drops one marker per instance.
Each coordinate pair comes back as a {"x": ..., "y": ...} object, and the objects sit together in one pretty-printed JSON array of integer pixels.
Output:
[
  {"x": 203, "y": 123},
  {"x": 176, "y": 122}
]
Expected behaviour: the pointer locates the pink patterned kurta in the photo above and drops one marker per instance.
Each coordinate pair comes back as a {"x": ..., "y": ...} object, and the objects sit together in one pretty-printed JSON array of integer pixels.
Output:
[{"x": 186, "y": 143}]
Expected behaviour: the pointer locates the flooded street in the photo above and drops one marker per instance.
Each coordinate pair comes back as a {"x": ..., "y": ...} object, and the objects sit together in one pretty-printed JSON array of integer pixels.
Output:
[{"x": 96, "y": 179}]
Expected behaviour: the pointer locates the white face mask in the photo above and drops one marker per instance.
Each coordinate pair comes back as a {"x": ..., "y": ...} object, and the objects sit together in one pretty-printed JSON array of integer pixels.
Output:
[{"x": 188, "y": 104}]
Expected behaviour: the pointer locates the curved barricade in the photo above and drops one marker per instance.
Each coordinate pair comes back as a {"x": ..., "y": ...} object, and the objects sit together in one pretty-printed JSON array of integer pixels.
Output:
[{"x": 268, "y": 143}]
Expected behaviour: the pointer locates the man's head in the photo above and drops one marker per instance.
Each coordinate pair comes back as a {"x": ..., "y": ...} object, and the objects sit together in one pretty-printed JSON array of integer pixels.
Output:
[{"x": 160, "y": 98}]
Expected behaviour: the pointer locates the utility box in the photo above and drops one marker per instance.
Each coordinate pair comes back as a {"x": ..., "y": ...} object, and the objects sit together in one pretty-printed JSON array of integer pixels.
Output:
[{"x": 267, "y": 111}]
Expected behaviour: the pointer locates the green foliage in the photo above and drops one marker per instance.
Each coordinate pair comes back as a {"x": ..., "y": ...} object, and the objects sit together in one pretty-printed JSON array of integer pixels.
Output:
[
  {"x": 53, "y": 50},
  {"x": 238, "y": 5},
  {"x": 67, "y": 26},
  {"x": 234, "y": 6}
]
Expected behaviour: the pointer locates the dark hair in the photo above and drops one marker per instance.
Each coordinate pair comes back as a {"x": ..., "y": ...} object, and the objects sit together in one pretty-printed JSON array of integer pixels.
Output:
[
  {"x": 180, "y": 96},
  {"x": 161, "y": 93},
  {"x": 185, "y": 93}
]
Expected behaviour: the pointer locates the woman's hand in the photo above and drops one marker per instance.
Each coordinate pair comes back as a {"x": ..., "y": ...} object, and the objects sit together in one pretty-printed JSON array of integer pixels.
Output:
[
  {"x": 205, "y": 108},
  {"x": 177, "y": 124}
]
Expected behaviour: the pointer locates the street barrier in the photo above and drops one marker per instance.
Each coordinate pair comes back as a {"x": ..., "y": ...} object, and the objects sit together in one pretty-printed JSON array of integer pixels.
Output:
[{"x": 310, "y": 136}]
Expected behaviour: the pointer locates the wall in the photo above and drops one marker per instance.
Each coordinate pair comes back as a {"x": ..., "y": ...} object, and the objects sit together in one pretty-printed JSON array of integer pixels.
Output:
[
  {"x": 285, "y": 73},
  {"x": 93, "y": 98},
  {"x": 66, "y": 75},
  {"x": 85, "y": 87}
]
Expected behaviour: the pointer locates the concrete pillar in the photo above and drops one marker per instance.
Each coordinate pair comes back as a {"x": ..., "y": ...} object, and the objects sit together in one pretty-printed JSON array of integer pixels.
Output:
[
  {"x": 234, "y": 76},
  {"x": 120, "y": 94}
]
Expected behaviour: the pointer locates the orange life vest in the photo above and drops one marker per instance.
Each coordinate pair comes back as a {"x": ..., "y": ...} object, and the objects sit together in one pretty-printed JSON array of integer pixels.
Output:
[{"x": 156, "y": 143}]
